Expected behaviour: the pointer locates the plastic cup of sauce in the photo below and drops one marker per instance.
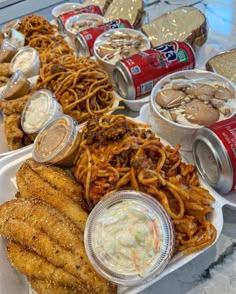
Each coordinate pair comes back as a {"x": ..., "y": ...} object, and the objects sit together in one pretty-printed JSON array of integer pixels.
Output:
[
  {"x": 129, "y": 238},
  {"x": 7, "y": 51},
  {"x": 27, "y": 60},
  {"x": 58, "y": 142},
  {"x": 39, "y": 111}
]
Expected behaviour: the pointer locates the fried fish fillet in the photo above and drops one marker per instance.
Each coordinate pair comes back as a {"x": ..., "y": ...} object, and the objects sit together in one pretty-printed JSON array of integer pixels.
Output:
[
  {"x": 44, "y": 287},
  {"x": 35, "y": 240},
  {"x": 35, "y": 266},
  {"x": 58, "y": 179},
  {"x": 3, "y": 81},
  {"x": 9, "y": 107},
  {"x": 31, "y": 185},
  {"x": 5, "y": 69},
  {"x": 13, "y": 132},
  {"x": 45, "y": 218}
]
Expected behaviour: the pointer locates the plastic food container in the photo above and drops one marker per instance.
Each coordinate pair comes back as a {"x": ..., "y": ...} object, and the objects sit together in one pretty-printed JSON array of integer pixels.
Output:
[
  {"x": 39, "y": 111},
  {"x": 58, "y": 142},
  {"x": 65, "y": 7},
  {"x": 7, "y": 51},
  {"x": 129, "y": 238},
  {"x": 13, "y": 24},
  {"x": 27, "y": 60},
  {"x": 118, "y": 44},
  {"x": 16, "y": 38},
  {"x": 182, "y": 131},
  {"x": 81, "y": 22},
  {"x": 17, "y": 86}
]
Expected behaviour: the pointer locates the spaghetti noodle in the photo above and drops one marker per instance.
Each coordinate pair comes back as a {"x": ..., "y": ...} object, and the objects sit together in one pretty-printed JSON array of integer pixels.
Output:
[
  {"x": 117, "y": 153},
  {"x": 80, "y": 85}
]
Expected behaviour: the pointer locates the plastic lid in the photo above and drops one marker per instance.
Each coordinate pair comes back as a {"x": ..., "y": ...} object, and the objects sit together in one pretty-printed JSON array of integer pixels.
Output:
[
  {"x": 38, "y": 111},
  {"x": 129, "y": 238},
  {"x": 54, "y": 140},
  {"x": 25, "y": 59}
]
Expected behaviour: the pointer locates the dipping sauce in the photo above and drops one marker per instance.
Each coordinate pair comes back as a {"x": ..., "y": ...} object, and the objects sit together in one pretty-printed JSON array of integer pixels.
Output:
[
  {"x": 196, "y": 103},
  {"x": 27, "y": 60},
  {"x": 17, "y": 86},
  {"x": 7, "y": 51},
  {"x": 57, "y": 142},
  {"x": 129, "y": 237},
  {"x": 41, "y": 108}
]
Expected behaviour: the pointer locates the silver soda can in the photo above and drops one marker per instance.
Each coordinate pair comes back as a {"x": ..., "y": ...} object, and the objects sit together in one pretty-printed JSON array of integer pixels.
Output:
[{"x": 214, "y": 153}]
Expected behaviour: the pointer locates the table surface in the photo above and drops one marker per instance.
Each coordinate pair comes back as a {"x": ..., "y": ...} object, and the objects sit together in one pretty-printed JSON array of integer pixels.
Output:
[{"x": 214, "y": 271}]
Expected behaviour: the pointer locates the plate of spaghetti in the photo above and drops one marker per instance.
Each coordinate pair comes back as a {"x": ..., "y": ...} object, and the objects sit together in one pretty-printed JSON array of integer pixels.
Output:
[{"x": 117, "y": 153}]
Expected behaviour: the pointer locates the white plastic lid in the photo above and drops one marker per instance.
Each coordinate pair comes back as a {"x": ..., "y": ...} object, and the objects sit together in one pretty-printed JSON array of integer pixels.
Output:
[{"x": 131, "y": 259}]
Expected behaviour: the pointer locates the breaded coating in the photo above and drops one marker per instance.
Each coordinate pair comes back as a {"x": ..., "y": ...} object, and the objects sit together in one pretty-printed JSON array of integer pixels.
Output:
[
  {"x": 58, "y": 179},
  {"x": 13, "y": 132},
  {"x": 35, "y": 266},
  {"x": 9, "y": 107},
  {"x": 5, "y": 69},
  {"x": 3, "y": 80},
  {"x": 31, "y": 185}
]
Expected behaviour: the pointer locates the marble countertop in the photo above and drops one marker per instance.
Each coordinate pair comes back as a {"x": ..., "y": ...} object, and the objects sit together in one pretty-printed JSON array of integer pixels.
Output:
[{"x": 214, "y": 271}]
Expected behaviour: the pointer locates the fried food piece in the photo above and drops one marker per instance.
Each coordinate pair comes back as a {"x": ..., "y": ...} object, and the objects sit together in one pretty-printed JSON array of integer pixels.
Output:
[
  {"x": 35, "y": 266},
  {"x": 14, "y": 134},
  {"x": 44, "y": 287},
  {"x": 5, "y": 69},
  {"x": 9, "y": 107},
  {"x": 44, "y": 217},
  {"x": 25, "y": 233},
  {"x": 31, "y": 185},
  {"x": 3, "y": 81},
  {"x": 58, "y": 179}
]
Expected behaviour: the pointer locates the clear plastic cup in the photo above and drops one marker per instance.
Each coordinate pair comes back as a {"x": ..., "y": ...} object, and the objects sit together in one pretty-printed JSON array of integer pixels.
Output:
[
  {"x": 17, "y": 86},
  {"x": 27, "y": 60},
  {"x": 129, "y": 238},
  {"x": 7, "y": 51},
  {"x": 58, "y": 142},
  {"x": 39, "y": 111}
]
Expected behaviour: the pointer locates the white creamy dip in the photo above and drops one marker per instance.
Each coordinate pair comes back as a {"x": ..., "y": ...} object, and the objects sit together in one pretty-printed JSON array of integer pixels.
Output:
[
  {"x": 128, "y": 237},
  {"x": 23, "y": 61}
]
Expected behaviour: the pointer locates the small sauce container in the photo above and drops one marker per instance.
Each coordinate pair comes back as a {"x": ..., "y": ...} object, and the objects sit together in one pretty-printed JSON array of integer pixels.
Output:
[
  {"x": 39, "y": 111},
  {"x": 13, "y": 24},
  {"x": 81, "y": 22},
  {"x": 129, "y": 238},
  {"x": 27, "y": 60},
  {"x": 17, "y": 86},
  {"x": 58, "y": 142},
  {"x": 7, "y": 51},
  {"x": 16, "y": 38}
]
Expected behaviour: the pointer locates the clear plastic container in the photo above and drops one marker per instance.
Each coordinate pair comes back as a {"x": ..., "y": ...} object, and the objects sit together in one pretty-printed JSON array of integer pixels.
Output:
[
  {"x": 39, "y": 111},
  {"x": 129, "y": 238},
  {"x": 7, "y": 51},
  {"x": 27, "y": 60},
  {"x": 17, "y": 86},
  {"x": 16, "y": 38},
  {"x": 58, "y": 142},
  {"x": 15, "y": 24}
]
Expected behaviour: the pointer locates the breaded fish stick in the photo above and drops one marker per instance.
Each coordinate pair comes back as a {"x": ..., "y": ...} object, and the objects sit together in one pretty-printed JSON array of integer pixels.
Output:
[
  {"x": 37, "y": 241},
  {"x": 5, "y": 69},
  {"x": 13, "y": 132},
  {"x": 58, "y": 179},
  {"x": 44, "y": 217},
  {"x": 35, "y": 266},
  {"x": 35, "y": 187}
]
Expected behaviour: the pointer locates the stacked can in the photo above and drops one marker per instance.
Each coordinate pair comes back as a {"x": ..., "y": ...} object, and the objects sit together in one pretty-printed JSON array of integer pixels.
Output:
[
  {"x": 136, "y": 76},
  {"x": 214, "y": 153},
  {"x": 85, "y": 40},
  {"x": 61, "y": 20}
]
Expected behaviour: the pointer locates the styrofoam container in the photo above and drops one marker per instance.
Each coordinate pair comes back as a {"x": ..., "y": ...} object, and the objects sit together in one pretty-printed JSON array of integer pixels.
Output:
[
  {"x": 13, "y": 282},
  {"x": 172, "y": 131}
]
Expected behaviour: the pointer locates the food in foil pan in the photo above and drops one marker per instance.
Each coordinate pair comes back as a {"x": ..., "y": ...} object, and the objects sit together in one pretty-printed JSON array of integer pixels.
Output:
[
  {"x": 120, "y": 44},
  {"x": 181, "y": 24},
  {"x": 224, "y": 64},
  {"x": 195, "y": 102}
]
